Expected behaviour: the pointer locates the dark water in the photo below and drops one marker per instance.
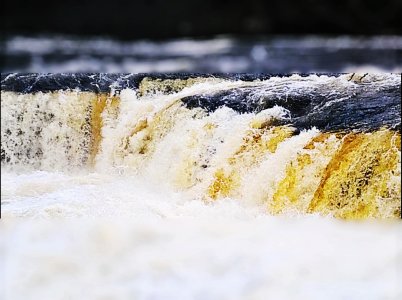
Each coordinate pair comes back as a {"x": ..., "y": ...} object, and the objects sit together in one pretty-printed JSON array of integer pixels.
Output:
[{"x": 221, "y": 54}]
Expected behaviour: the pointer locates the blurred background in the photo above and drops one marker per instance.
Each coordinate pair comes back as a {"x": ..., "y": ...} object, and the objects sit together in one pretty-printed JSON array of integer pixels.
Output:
[{"x": 253, "y": 36}]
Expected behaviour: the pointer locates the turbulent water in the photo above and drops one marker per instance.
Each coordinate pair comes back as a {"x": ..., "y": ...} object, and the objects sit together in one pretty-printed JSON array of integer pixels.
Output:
[
  {"x": 244, "y": 150},
  {"x": 158, "y": 193}
]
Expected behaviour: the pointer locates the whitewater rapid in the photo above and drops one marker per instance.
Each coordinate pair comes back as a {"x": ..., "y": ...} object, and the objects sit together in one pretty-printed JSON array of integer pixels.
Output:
[
  {"x": 297, "y": 144},
  {"x": 197, "y": 258},
  {"x": 133, "y": 195},
  {"x": 98, "y": 236}
]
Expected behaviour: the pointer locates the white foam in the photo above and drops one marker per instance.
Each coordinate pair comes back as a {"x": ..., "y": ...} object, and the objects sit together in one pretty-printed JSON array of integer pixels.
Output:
[
  {"x": 131, "y": 228},
  {"x": 203, "y": 256}
]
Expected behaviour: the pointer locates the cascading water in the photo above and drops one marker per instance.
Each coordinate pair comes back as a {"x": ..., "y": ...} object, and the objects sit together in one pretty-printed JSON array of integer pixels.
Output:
[
  {"x": 300, "y": 144},
  {"x": 189, "y": 186}
]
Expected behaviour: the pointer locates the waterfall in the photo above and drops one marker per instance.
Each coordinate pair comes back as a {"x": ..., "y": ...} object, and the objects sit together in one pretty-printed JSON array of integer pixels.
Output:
[{"x": 326, "y": 144}]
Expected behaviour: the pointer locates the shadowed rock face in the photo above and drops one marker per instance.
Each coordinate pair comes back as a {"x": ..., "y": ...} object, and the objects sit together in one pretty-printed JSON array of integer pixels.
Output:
[{"x": 342, "y": 102}]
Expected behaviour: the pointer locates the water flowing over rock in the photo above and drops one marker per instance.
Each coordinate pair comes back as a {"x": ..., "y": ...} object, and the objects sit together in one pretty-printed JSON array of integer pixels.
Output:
[{"x": 318, "y": 143}]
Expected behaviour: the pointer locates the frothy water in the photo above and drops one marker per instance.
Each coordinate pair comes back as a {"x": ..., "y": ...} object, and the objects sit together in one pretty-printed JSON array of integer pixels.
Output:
[
  {"x": 42, "y": 195},
  {"x": 212, "y": 152},
  {"x": 134, "y": 195},
  {"x": 201, "y": 252}
]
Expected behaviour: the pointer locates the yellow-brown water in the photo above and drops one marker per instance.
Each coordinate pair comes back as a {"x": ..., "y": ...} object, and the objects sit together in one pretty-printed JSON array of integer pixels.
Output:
[{"x": 208, "y": 156}]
